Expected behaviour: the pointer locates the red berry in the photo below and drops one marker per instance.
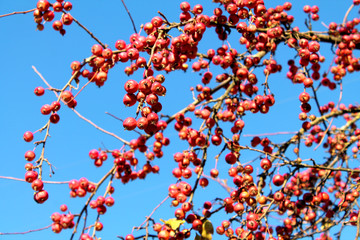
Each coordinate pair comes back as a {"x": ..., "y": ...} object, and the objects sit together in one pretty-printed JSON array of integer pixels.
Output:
[
  {"x": 66, "y": 96},
  {"x": 63, "y": 208},
  {"x": 314, "y": 9},
  {"x": 39, "y": 91},
  {"x": 75, "y": 65},
  {"x": 129, "y": 123},
  {"x": 57, "y": 25},
  {"x": 41, "y": 197},
  {"x": 101, "y": 209},
  {"x": 214, "y": 173},
  {"x": 28, "y": 136},
  {"x": 55, "y": 106},
  {"x": 252, "y": 225},
  {"x": 185, "y": 6},
  {"x": 37, "y": 185},
  {"x": 109, "y": 201},
  {"x": 55, "y": 217},
  {"x": 57, "y": 6},
  {"x": 157, "y": 21},
  {"x": 46, "y": 109},
  {"x": 67, "y": 19},
  {"x": 98, "y": 226},
  {"x": 29, "y": 155},
  {"x": 304, "y": 97},
  {"x": 29, "y": 167},
  {"x": 94, "y": 154},
  {"x": 278, "y": 180},
  {"x": 203, "y": 182},
  {"x": 54, "y": 118},
  {"x": 230, "y": 158},
  {"x": 30, "y": 176},
  {"x": 67, "y": 6},
  {"x": 314, "y": 46},
  {"x": 198, "y": 9},
  {"x": 48, "y": 16},
  {"x": 129, "y": 237},
  {"x": 43, "y": 5},
  {"x": 97, "y": 50},
  {"x": 131, "y": 86},
  {"x": 307, "y": 8},
  {"x": 265, "y": 164}
]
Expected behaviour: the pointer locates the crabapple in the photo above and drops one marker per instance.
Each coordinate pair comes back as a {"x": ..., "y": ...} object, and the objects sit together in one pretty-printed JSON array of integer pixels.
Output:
[
  {"x": 130, "y": 123},
  {"x": 29, "y": 155},
  {"x": 39, "y": 91},
  {"x": 28, "y": 136}
]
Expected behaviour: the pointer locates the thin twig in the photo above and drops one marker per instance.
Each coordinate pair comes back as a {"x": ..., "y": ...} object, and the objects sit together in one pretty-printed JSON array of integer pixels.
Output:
[
  {"x": 99, "y": 128},
  {"x": 128, "y": 12},
  {"x": 30, "y": 231},
  {"x": 22, "y": 180},
  {"x": 90, "y": 33},
  {"x": 42, "y": 78},
  {"x": 148, "y": 217},
  {"x": 267, "y": 134},
  {"x": 347, "y": 14},
  {"x": 13, "y": 13}
]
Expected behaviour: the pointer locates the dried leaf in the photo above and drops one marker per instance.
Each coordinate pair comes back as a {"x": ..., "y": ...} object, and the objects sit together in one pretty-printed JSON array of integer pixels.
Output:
[
  {"x": 207, "y": 230},
  {"x": 173, "y": 223}
]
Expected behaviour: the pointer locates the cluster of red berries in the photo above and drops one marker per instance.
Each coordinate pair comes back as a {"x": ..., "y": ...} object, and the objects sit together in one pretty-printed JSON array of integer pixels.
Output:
[
  {"x": 249, "y": 233},
  {"x": 308, "y": 53},
  {"x": 62, "y": 221},
  {"x": 338, "y": 141},
  {"x": 179, "y": 192},
  {"x": 148, "y": 90},
  {"x": 264, "y": 142},
  {"x": 313, "y": 11},
  {"x": 101, "y": 203},
  {"x": 184, "y": 159},
  {"x": 43, "y": 12},
  {"x": 32, "y": 176},
  {"x": 164, "y": 231},
  {"x": 126, "y": 162},
  {"x": 98, "y": 157},
  {"x": 79, "y": 188},
  {"x": 49, "y": 108}
]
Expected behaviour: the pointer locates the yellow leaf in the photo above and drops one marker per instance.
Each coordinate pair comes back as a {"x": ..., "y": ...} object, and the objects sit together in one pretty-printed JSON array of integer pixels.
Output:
[
  {"x": 173, "y": 223},
  {"x": 207, "y": 230},
  {"x": 208, "y": 227},
  {"x": 205, "y": 236}
]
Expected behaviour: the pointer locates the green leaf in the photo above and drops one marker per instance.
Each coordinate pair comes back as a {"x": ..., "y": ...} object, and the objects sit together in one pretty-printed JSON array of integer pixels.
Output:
[{"x": 173, "y": 223}]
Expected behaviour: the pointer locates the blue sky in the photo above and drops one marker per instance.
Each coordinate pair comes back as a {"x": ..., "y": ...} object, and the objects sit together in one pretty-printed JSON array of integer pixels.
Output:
[{"x": 72, "y": 138}]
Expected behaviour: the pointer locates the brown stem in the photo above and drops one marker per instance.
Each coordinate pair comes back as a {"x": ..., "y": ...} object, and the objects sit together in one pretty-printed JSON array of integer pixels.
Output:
[
  {"x": 347, "y": 14},
  {"x": 90, "y": 33},
  {"x": 30, "y": 231},
  {"x": 267, "y": 134},
  {"x": 153, "y": 211},
  {"x": 13, "y": 13},
  {"x": 128, "y": 12},
  {"x": 101, "y": 129},
  {"x": 42, "y": 78},
  {"x": 22, "y": 180}
]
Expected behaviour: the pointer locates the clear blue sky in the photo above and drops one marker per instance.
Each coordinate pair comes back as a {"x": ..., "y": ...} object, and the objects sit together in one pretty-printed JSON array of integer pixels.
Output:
[{"x": 72, "y": 138}]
